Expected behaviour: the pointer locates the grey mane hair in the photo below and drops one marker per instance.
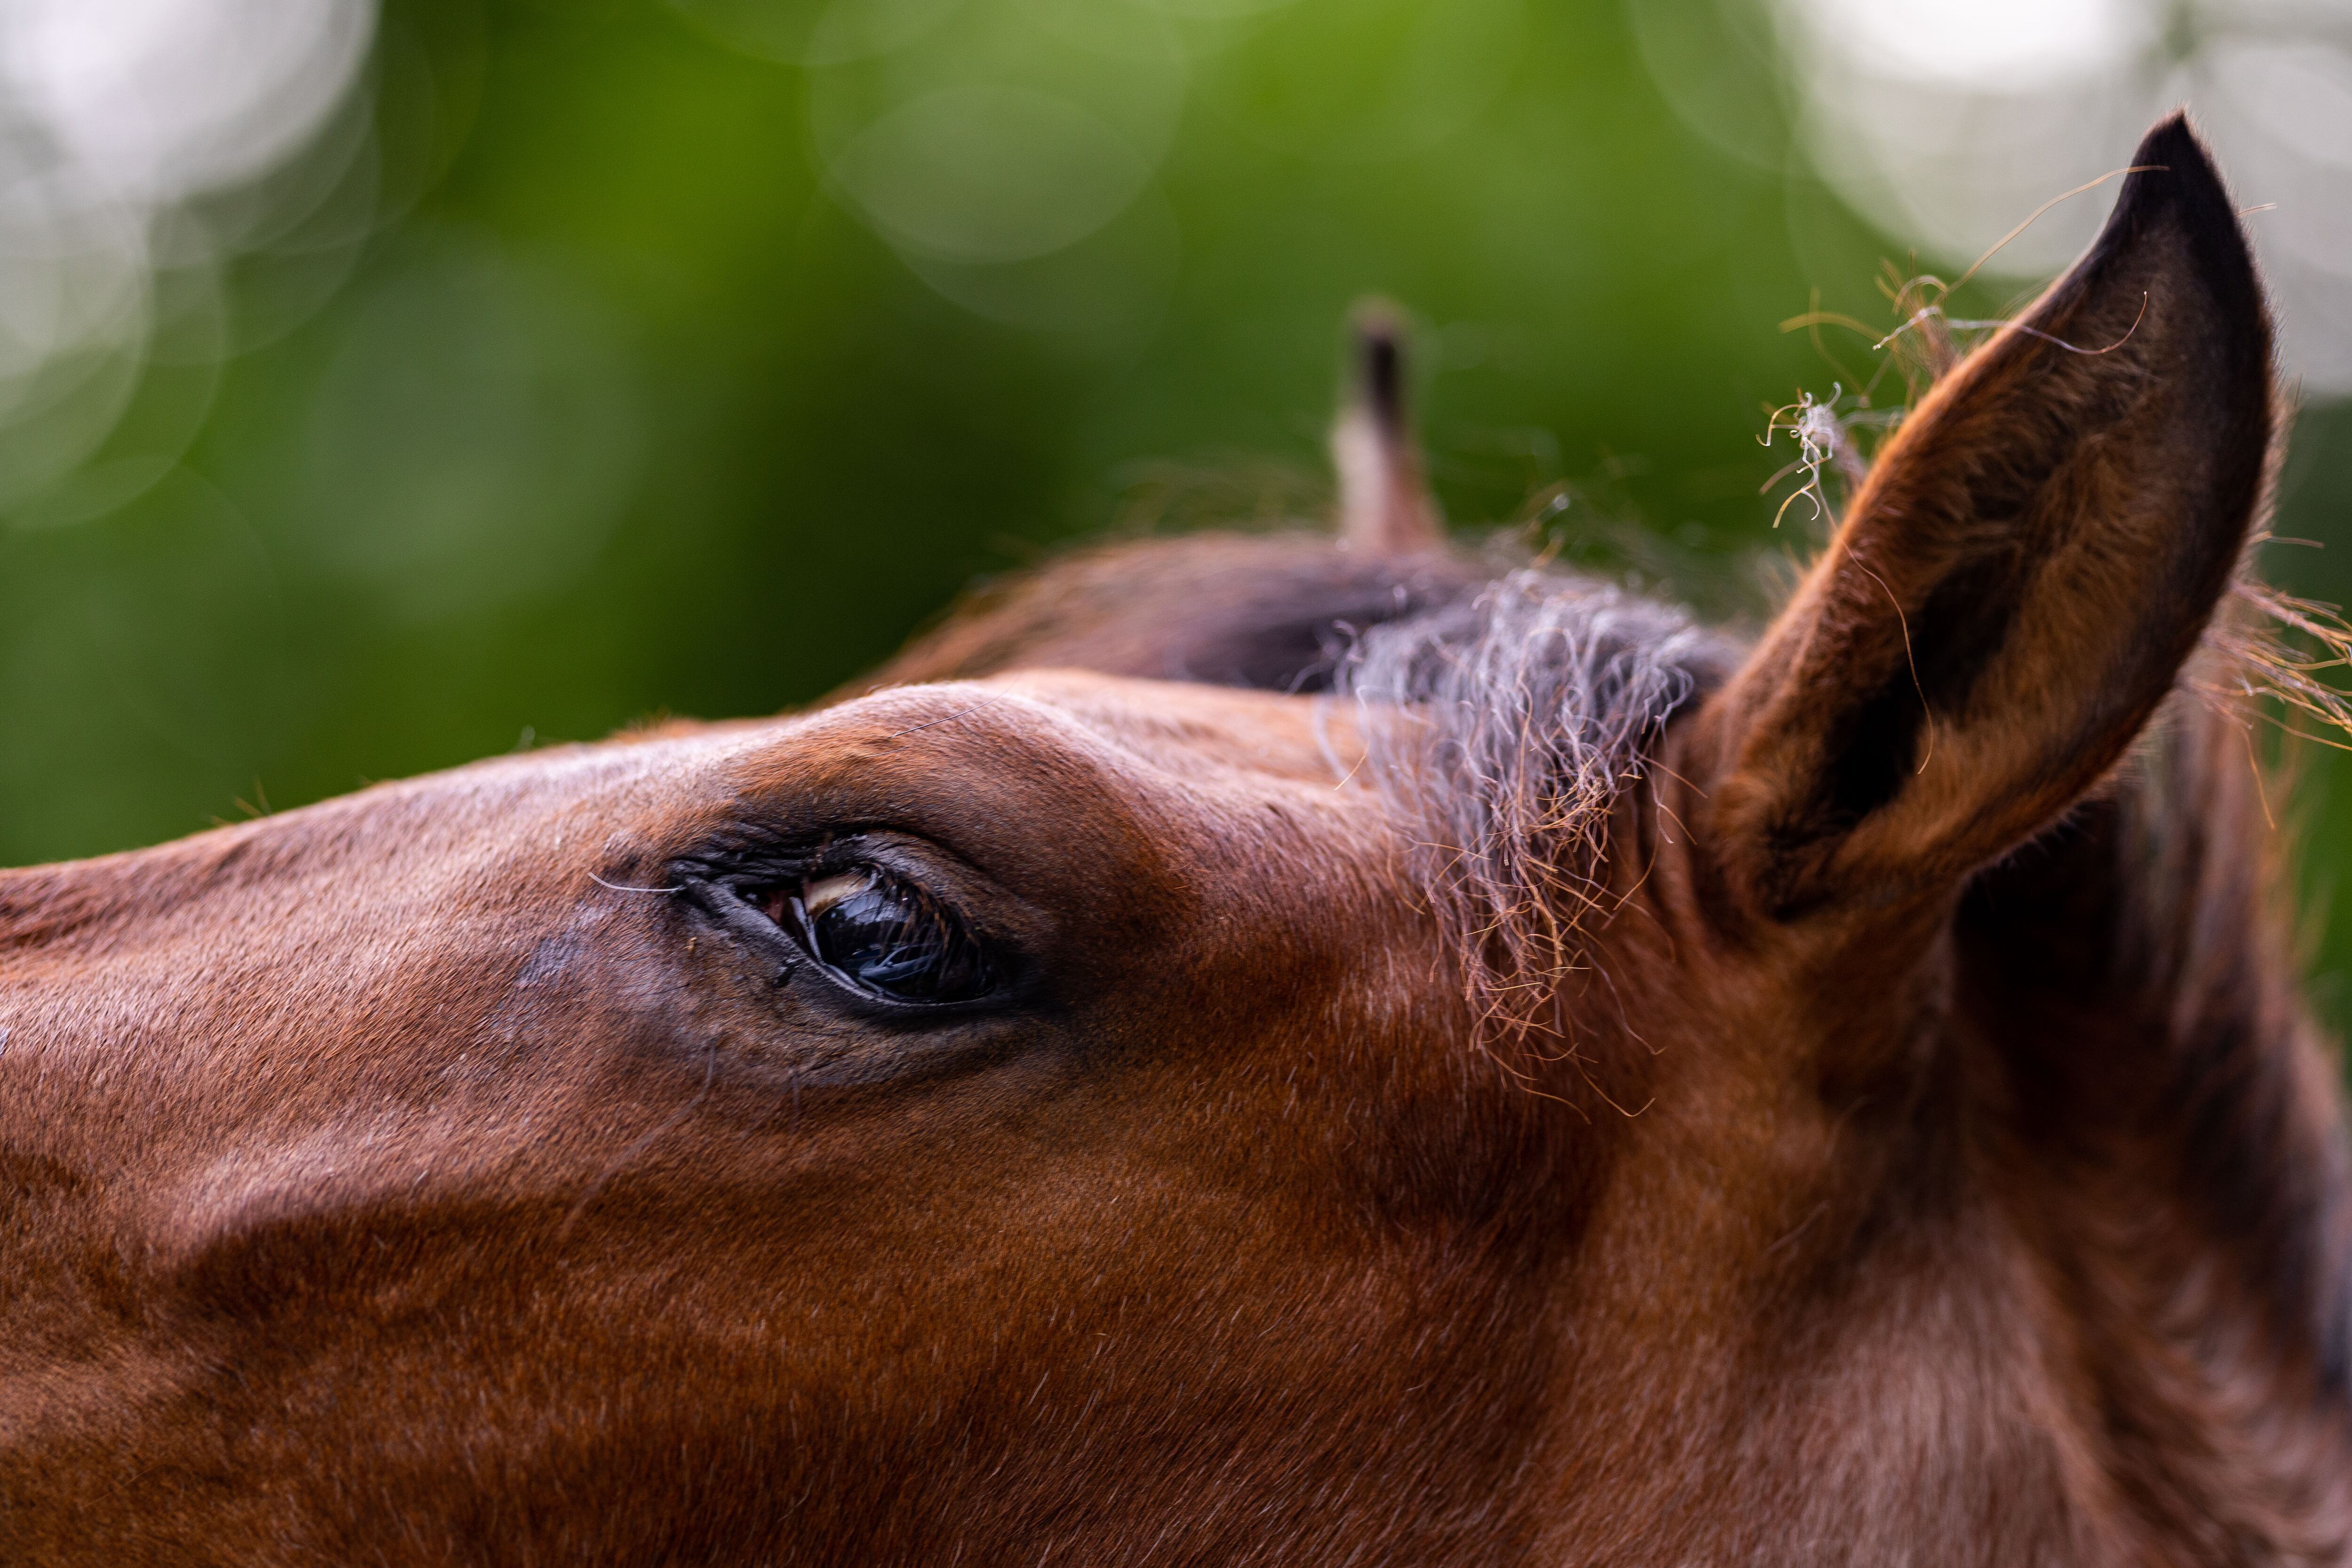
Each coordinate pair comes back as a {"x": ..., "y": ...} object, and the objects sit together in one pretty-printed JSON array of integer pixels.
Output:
[{"x": 1503, "y": 727}]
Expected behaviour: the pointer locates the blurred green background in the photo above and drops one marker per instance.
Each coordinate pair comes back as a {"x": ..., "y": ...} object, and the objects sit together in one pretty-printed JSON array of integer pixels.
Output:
[{"x": 560, "y": 363}]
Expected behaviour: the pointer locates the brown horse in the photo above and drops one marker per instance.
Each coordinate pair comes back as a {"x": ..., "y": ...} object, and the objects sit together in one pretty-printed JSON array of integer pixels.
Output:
[{"x": 1256, "y": 1050}]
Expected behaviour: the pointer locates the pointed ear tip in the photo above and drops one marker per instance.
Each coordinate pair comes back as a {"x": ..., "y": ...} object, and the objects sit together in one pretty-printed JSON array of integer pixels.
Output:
[
  {"x": 1376, "y": 327},
  {"x": 2178, "y": 184},
  {"x": 1378, "y": 341},
  {"x": 2173, "y": 129},
  {"x": 2175, "y": 169}
]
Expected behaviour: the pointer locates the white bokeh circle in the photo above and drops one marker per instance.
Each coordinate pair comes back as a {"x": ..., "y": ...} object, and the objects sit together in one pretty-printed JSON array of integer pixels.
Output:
[{"x": 1947, "y": 125}]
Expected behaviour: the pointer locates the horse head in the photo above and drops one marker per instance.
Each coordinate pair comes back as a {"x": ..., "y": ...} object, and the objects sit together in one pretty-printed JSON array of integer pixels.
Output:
[{"x": 1274, "y": 1048}]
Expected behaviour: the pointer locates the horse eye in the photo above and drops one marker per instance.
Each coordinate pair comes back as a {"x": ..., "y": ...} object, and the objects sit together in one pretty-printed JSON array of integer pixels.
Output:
[{"x": 887, "y": 936}]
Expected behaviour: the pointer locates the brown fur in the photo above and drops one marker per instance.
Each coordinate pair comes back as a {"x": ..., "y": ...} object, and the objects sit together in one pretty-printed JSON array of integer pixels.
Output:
[{"x": 1932, "y": 1163}]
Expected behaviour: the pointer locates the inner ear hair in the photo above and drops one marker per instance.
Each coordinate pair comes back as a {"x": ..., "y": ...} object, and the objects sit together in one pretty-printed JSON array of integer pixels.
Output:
[
  {"x": 1385, "y": 506},
  {"x": 2032, "y": 559}
]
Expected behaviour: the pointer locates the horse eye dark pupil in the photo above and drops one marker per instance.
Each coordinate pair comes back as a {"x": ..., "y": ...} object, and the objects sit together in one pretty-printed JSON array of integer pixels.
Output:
[{"x": 891, "y": 939}]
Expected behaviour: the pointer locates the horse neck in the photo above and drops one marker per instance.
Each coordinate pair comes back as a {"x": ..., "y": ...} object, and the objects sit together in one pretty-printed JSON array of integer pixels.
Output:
[{"x": 2180, "y": 1114}]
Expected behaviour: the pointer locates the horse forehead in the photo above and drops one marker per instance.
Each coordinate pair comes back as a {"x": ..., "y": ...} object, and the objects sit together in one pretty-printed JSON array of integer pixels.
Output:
[
  {"x": 1179, "y": 729},
  {"x": 1116, "y": 754},
  {"x": 1114, "y": 737},
  {"x": 1060, "y": 753}
]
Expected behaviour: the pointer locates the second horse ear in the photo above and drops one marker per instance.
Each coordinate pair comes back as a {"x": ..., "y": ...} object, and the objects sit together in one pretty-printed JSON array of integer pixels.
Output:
[
  {"x": 1385, "y": 506},
  {"x": 2032, "y": 561}
]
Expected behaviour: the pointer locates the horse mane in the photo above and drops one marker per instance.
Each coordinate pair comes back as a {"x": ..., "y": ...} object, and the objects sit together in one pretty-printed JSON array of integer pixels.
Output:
[
  {"x": 2168, "y": 1052},
  {"x": 1504, "y": 728}
]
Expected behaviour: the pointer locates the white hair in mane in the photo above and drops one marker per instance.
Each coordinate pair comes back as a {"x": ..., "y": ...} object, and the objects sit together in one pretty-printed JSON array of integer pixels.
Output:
[{"x": 1503, "y": 727}]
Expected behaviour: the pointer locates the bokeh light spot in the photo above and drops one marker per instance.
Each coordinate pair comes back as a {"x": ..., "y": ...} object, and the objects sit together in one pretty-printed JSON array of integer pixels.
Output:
[
  {"x": 475, "y": 437},
  {"x": 154, "y": 99},
  {"x": 1363, "y": 81},
  {"x": 2011, "y": 46},
  {"x": 816, "y": 32},
  {"x": 991, "y": 173}
]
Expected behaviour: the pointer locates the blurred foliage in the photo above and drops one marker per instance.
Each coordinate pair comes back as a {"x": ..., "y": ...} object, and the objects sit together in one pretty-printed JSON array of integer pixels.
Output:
[{"x": 657, "y": 382}]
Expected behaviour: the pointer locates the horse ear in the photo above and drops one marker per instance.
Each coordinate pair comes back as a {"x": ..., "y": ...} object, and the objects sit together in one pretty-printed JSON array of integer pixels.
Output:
[
  {"x": 1385, "y": 506},
  {"x": 2019, "y": 583}
]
